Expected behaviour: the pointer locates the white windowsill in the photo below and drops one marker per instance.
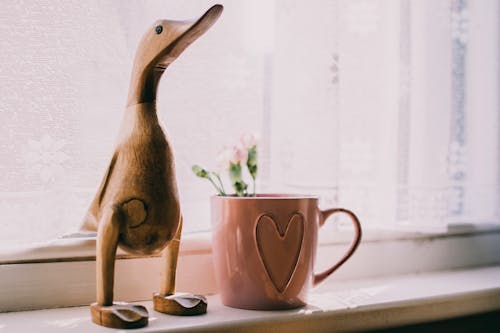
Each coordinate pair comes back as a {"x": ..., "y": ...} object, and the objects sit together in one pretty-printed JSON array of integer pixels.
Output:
[
  {"x": 69, "y": 279},
  {"x": 340, "y": 306}
]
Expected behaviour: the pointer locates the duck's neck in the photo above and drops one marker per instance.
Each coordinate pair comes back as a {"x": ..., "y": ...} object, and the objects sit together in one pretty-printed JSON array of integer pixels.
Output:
[
  {"x": 144, "y": 85},
  {"x": 139, "y": 118}
]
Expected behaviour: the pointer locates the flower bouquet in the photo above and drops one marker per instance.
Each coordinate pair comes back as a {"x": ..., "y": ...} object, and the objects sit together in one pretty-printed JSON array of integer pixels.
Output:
[{"x": 234, "y": 160}]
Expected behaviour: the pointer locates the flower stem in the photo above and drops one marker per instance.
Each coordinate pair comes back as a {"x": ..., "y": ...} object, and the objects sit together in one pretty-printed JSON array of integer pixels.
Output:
[
  {"x": 221, "y": 191},
  {"x": 220, "y": 182}
]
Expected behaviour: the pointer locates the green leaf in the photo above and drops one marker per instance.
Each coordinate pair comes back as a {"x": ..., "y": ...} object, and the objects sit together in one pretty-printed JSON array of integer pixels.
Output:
[
  {"x": 252, "y": 162},
  {"x": 240, "y": 188},
  {"x": 235, "y": 172}
]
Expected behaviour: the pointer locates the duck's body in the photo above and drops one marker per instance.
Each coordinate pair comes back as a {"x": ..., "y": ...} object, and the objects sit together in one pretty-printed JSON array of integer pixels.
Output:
[
  {"x": 137, "y": 204},
  {"x": 140, "y": 181}
]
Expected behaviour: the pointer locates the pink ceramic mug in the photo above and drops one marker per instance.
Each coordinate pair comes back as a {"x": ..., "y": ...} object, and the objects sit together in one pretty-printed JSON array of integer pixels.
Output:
[{"x": 265, "y": 246}]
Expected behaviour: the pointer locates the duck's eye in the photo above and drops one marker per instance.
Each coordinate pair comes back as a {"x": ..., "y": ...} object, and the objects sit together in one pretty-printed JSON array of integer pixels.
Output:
[{"x": 158, "y": 29}]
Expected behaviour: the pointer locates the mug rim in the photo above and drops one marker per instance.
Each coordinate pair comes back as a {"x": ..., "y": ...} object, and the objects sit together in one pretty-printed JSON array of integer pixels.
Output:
[{"x": 269, "y": 196}]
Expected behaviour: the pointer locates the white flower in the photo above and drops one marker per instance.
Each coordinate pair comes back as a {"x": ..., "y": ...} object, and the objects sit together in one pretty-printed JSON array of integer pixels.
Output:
[{"x": 248, "y": 140}]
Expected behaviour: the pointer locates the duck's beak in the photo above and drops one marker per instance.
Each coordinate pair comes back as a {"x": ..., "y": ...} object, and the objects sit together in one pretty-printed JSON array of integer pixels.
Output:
[{"x": 182, "y": 34}]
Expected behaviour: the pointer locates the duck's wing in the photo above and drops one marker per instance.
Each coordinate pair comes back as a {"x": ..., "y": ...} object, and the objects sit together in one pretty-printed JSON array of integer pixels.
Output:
[{"x": 90, "y": 220}]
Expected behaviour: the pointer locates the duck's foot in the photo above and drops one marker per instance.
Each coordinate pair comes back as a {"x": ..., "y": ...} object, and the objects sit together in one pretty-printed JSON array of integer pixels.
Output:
[
  {"x": 119, "y": 315},
  {"x": 180, "y": 304}
]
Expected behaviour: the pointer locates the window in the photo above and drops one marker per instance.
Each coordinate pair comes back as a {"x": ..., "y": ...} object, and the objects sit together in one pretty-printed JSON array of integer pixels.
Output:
[{"x": 389, "y": 108}]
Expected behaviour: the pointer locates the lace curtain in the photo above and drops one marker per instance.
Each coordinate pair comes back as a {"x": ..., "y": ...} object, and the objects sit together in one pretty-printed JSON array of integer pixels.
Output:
[
  {"x": 64, "y": 71},
  {"x": 386, "y": 107},
  {"x": 391, "y": 108}
]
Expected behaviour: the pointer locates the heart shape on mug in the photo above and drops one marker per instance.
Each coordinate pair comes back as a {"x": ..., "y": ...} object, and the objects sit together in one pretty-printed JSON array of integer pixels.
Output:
[{"x": 279, "y": 247}]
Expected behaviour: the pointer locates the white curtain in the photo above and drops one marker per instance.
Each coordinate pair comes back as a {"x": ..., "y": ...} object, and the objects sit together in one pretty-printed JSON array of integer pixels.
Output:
[
  {"x": 64, "y": 75},
  {"x": 386, "y": 107},
  {"x": 391, "y": 108}
]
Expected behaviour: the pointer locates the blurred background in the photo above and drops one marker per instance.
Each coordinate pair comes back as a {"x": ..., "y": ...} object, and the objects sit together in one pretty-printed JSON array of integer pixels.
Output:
[{"x": 389, "y": 108}]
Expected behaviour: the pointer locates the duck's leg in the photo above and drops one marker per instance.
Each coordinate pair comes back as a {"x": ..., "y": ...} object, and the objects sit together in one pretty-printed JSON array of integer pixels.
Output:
[
  {"x": 167, "y": 301},
  {"x": 104, "y": 312}
]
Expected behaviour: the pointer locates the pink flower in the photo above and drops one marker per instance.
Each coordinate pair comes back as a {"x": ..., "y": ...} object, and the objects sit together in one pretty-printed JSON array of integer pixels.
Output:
[
  {"x": 238, "y": 155},
  {"x": 248, "y": 140},
  {"x": 233, "y": 155}
]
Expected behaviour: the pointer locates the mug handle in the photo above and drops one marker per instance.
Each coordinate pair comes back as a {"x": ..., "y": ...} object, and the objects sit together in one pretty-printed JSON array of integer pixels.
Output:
[{"x": 318, "y": 278}]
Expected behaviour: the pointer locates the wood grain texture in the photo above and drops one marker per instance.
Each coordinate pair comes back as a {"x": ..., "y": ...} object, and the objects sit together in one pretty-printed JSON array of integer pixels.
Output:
[
  {"x": 182, "y": 304},
  {"x": 169, "y": 264},
  {"x": 119, "y": 315},
  {"x": 157, "y": 51},
  {"x": 137, "y": 204}
]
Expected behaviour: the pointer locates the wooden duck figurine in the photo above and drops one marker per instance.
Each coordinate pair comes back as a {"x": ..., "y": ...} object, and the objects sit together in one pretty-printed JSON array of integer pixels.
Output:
[{"x": 137, "y": 204}]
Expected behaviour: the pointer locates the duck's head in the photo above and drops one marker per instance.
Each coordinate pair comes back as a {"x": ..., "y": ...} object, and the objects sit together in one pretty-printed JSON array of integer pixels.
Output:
[{"x": 163, "y": 42}]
